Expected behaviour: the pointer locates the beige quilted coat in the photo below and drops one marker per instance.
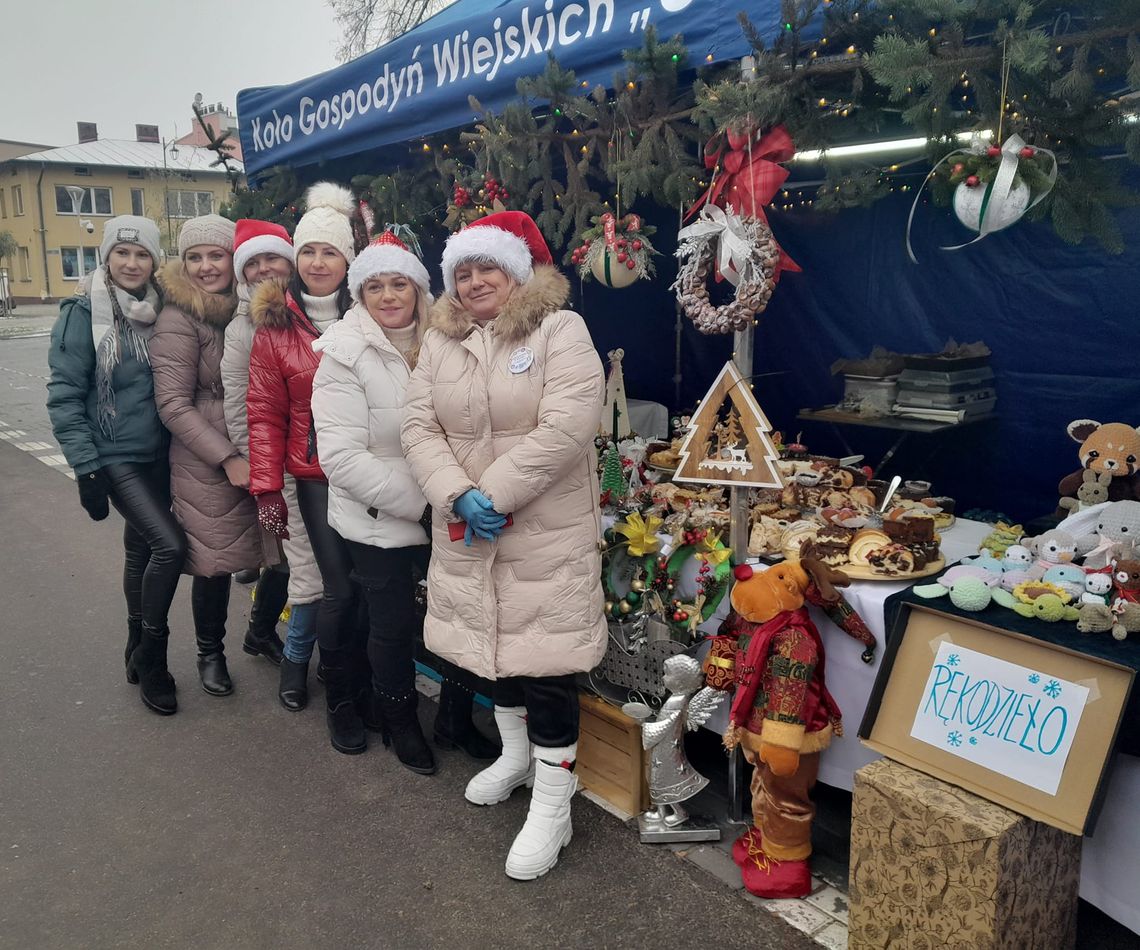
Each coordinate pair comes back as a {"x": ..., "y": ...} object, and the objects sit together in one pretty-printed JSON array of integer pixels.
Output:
[
  {"x": 220, "y": 520},
  {"x": 529, "y": 603}
]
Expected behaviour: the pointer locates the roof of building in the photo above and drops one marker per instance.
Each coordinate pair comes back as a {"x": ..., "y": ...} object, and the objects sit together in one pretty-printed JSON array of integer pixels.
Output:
[
  {"x": 120, "y": 153},
  {"x": 197, "y": 136}
]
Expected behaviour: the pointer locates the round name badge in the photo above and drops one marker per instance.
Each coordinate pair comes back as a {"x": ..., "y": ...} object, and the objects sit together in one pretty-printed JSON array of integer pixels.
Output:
[{"x": 520, "y": 360}]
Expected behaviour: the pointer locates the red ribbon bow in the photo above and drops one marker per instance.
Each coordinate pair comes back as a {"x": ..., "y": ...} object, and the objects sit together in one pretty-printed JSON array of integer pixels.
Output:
[{"x": 748, "y": 177}]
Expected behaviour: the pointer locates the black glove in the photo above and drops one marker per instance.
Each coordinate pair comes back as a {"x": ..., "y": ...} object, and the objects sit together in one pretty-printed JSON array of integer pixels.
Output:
[
  {"x": 93, "y": 491},
  {"x": 425, "y": 520}
]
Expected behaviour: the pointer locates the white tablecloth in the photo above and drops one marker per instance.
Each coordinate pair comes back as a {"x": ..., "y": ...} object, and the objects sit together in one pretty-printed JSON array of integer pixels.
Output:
[{"x": 1111, "y": 860}]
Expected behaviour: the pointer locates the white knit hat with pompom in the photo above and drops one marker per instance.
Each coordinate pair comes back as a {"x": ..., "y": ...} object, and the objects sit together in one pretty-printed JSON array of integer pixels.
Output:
[{"x": 327, "y": 219}]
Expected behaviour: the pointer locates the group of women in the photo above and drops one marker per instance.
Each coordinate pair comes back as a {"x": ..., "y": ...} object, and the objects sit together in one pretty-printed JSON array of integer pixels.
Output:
[{"x": 294, "y": 406}]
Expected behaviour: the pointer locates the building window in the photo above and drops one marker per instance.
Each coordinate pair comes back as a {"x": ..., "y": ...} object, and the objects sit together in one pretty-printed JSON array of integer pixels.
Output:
[
  {"x": 137, "y": 204},
  {"x": 82, "y": 171},
  {"x": 134, "y": 173},
  {"x": 95, "y": 201},
  {"x": 3, "y": 205},
  {"x": 78, "y": 262},
  {"x": 189, "y": 204},
  {"x": 17, "y": 200},
  {"x": 25, "y": 265}
]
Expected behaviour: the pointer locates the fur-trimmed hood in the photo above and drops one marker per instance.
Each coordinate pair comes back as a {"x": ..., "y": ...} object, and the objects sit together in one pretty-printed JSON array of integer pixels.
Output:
[
  {"x": 529, "y": 304},
  {"x": 178, "y": 290},
  {"x": 268, "y": 306}
]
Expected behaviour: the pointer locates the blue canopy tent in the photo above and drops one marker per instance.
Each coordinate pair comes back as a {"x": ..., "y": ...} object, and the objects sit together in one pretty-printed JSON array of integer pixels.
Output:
[{"x": 1062, "y": 321}]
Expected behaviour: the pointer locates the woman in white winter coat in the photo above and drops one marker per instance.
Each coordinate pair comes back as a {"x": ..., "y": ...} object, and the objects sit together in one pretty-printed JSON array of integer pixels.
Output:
[
  {"x": 264, "y": 252},
  {"x": 501, "y": 415},
  {"x": 375, "y": 504}
]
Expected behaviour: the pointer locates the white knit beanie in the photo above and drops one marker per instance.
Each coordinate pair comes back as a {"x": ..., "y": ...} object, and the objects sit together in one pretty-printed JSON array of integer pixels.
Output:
[
  {"x": 131, "y": 229},
  {"x": 388, "y": 255},
  {"x": 207, "y": 229},
  {"x": 327, "y": 220}
]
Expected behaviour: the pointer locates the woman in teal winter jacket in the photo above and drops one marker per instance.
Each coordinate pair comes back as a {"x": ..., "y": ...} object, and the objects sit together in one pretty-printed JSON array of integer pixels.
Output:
[{"x": 103, "y": 414}]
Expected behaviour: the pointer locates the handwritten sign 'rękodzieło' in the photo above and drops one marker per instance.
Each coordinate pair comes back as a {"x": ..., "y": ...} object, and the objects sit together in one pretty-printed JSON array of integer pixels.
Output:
[{"x": 1013, "y": 720}]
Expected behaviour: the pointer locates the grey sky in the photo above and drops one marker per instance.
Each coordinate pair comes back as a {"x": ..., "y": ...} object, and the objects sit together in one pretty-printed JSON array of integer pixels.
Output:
[{"x": 117, "y": 63}]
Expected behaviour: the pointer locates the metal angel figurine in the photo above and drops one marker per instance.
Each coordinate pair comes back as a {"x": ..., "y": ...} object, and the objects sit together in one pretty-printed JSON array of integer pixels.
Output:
[{"x": 672, "y": 779}]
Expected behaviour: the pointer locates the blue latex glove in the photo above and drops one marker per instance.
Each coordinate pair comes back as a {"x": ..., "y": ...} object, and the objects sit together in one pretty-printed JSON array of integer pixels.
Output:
[{"x": 479, "y": 512}]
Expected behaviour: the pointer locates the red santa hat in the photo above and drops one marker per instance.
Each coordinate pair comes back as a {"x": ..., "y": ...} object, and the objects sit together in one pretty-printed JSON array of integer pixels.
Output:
[
  {"x": 509, "y": 239},
  {"x": 258, "y": 237},
  {"x": 388, "y": 255}
]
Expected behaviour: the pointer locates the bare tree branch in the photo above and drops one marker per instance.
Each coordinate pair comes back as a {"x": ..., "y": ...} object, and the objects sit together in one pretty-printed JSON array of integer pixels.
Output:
[{"x": 366, "y": 24}]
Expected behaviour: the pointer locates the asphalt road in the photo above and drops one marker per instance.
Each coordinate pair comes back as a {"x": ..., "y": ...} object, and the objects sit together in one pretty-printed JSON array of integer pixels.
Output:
[{"x": 234, "y": 824}]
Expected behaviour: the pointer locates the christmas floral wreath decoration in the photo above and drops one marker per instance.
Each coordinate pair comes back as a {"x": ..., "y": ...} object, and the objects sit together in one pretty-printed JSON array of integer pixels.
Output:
[
  {"x": 614, "y": 245},
  {"x": 741, "y": 250},
  {"x": 472, "y": 199}
]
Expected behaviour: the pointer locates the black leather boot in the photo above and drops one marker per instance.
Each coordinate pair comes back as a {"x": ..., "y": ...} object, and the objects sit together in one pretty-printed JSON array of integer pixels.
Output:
[
  {"x": 403, "y": 726},
  {"x": 210, "y": 601},
  {"x": 346, "y": 730},
  {"x": 293, "y": 690},
  {"x": 454, "y": 727},
  {"x": 134, "y": 635},
  {"x": 148, "y": 664},
  {"x": 269, "y": 600}
]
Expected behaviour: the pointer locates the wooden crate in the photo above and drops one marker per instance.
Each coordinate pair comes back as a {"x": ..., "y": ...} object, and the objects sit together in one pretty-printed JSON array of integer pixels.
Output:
[{"x": 611, "y": 762}]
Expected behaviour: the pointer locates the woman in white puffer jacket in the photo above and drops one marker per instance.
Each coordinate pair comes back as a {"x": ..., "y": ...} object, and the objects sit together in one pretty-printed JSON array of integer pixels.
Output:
[{"x": 375, "y": 503}]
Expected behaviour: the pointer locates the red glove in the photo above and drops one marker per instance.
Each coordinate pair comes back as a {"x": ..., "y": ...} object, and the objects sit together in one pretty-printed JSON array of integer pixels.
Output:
[{"x": 273, "y": 513}]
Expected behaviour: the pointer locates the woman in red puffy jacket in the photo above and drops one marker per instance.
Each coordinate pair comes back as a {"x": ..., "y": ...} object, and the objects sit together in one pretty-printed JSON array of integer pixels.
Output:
[{"x": 282, "y": 437}]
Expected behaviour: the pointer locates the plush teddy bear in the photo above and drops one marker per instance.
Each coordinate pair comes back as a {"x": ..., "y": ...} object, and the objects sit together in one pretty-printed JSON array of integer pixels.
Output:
[
  {"x": 770, "y": 653},
  {"x": 1113, "y": 449},
  {"x": 1093, "y": 491}
]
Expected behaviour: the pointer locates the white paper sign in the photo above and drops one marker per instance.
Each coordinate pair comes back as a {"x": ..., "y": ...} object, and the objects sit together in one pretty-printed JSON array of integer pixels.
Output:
[{"x": 1010, "y": 719}]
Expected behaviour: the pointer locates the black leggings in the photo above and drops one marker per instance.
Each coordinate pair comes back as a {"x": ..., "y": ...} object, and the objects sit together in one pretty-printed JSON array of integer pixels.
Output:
[
  {"x": 338, "y": 625},
  {"x": 551, "y": 707},
  {"x": 389, "y": 584},
  {"x": 153, "y": 541}
]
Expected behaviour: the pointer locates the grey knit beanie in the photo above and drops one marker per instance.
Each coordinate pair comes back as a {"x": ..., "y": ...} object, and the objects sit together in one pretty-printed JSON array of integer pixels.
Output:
[
  {"x": 211, "y": 229},
  {"x": 131, "y": 229}
]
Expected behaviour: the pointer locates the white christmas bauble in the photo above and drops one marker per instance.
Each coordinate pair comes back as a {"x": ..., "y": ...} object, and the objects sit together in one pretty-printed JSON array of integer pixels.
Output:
[
  {"x": 619, "y": 274},
  {"x": 999, "y": 213}
]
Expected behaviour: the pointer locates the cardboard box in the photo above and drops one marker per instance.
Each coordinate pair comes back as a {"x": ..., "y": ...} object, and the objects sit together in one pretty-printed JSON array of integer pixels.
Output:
[
  {"x": 611, "y": 762},
  {"x": 935, "y": 866}
]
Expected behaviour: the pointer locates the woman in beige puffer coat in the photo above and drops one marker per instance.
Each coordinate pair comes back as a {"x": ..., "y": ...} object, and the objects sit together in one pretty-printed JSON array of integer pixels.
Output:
[
  {"x": 501, "y": 414},
  {"x": 209, "y": 479}
]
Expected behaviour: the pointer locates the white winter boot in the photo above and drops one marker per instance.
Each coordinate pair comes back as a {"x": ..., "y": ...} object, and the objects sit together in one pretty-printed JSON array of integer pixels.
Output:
[
  {"x": 513, "y": 768},
  {"x": 547, "y": 830}
]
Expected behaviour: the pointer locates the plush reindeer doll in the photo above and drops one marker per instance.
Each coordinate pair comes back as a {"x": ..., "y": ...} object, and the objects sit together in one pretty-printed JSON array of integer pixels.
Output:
[{"x": 770, "y": 653}]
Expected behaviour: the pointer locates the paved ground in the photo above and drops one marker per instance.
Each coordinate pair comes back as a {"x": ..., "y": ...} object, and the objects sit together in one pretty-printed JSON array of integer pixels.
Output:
[{"x": 234, "y": 824}]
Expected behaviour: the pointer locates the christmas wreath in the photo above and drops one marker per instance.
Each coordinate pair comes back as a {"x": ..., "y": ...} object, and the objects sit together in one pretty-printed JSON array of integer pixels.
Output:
[{"x": 741, "y": 250}]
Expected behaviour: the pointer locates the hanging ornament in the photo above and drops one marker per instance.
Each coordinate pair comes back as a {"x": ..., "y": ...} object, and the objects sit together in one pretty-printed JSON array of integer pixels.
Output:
[
  {"x": 743, "y": 251},
  {"x": 615, "y": 251}
]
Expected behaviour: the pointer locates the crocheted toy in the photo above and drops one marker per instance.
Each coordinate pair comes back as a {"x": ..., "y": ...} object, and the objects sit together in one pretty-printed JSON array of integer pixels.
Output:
[
  {"x": 1106, "y": 532},
  {"x": 1123, "y": 616},
  {"x": 1092, "y": 491},
  {"x": 1112, "y": 449},
  {"x": 782, "y": 714},
  {"x": 1098, "y": 586},
  {"x": 1069, "y": 577},
  {"x": 1051, "y": 548},
  {"x": 1039, "y": 600},
  {"x": 1002, "y": 536},
  {"x": 967, "y": 591}
]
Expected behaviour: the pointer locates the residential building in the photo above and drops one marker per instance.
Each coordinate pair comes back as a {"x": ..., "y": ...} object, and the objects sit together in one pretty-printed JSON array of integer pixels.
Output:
[
  {"x": 218, "y": 119},
  {"x": 59, "y": 243},
  {"x": 10, "y": 148}
]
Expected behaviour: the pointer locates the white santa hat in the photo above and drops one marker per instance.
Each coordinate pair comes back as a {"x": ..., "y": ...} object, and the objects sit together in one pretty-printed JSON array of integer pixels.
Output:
[
  {"x": 253, "y": 237},
  {"x": 388, "y": 255},
  {"x": 327, "y": 219},
  {"x": 508, "y": 239}
]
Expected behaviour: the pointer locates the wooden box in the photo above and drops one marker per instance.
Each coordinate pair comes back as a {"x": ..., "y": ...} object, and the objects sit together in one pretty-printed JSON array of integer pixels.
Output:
[{"x": 611, "y": 762}]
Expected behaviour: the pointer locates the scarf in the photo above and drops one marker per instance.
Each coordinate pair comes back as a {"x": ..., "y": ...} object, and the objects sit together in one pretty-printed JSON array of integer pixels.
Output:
[{"x": 132, "y": 325}]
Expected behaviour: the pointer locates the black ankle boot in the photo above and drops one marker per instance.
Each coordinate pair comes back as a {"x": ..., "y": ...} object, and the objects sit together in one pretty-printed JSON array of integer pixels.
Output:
[
  {"x": 214, "y": 673},
  {"x": 346, "y": 731},
  {"x": 454, "y": 727},
  {"x": 269, "y": 599},
  {"x": 134, "y": 635},
  {"x": 403, "y": 725},
  {"x": 293, "y": 690},
  {"x": 148, "y": 664}
]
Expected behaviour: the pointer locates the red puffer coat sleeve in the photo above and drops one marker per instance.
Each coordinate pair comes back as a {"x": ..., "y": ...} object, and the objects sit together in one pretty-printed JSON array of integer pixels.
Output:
[{"x": 267, "y": 407}]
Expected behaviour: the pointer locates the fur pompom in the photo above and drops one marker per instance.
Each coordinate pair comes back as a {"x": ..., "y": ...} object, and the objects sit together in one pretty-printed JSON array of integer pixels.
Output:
[{"x": 328, "y": 194}]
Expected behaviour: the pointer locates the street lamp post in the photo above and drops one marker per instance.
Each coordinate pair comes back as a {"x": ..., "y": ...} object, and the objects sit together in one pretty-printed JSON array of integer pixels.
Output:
[{"x": 77, "y": 194}]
